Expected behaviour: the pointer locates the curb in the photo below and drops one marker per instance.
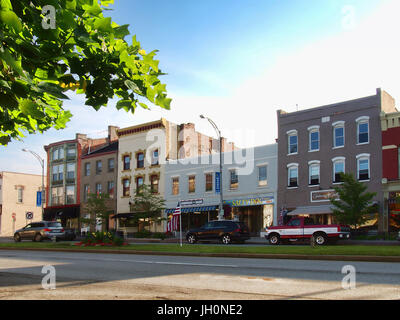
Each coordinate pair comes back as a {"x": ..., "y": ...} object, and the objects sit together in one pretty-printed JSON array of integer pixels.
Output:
[{"x": 226, "y": 255}]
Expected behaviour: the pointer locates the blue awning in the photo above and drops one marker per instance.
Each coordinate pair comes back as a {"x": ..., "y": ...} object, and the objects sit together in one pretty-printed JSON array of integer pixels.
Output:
[{"x": 193, "y": 209}]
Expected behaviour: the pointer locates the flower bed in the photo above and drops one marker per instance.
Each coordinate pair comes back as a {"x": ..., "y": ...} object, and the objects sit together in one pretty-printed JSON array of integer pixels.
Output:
[{"x": 101, "y": 239}]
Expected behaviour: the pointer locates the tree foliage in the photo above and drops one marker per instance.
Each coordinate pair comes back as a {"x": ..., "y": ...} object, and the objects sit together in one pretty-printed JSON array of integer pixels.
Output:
[
  {"x": 85, "y": 52},
  {"x": 146, "y": 205},
  {"x": 354, "y": 204},
  {"x": 98, "y": 209}
]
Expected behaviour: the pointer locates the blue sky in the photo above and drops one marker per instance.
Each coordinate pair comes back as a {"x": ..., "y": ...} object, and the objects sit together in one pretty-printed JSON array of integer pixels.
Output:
[{"x": 239, "y": 61}]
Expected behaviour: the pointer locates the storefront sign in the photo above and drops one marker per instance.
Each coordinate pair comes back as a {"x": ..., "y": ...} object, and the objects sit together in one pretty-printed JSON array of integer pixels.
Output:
[
  {"x": 250, "y": 202},
  {"x": 191, "y": 202},
  {"x": 324, "y": 195}
]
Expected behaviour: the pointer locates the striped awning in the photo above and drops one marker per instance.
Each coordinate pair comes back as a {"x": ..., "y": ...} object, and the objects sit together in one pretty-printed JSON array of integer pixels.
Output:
[{"x": 193, "y": 209}]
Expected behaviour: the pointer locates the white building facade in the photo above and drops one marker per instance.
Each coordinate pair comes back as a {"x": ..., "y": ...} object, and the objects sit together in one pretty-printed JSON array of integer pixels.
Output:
[{"x": 249, "y": 179}]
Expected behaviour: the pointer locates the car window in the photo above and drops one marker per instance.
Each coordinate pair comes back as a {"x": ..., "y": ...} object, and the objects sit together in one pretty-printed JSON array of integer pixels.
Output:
[
  {"x": 309, "y": 222},
  {"x": 28, "y": 226},
  {"x": 34, "y": 225},
  {"x": 294, "y": 223},
  {"x": 54, "y": 225},
  {"x": 208, "y": 225}
]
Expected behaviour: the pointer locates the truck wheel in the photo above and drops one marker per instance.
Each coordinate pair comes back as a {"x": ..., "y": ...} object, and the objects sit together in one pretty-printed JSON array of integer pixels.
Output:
[
  {"x": 274, "y": 239},
  {"x": 320, "y": 239}
]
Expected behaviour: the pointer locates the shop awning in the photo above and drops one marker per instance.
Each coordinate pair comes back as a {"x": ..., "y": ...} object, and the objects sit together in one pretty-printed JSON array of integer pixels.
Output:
[
  {"x": 325, "y": 209},
  {"x": 66, "y": 212},
  {"x": 193, "y": 209}
]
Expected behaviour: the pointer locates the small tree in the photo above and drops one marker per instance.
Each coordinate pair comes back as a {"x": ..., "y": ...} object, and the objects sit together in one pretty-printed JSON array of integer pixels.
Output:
[
  {"x": 146, "y": 205},
  {"x": 354, "y": 205},
  {"x": 97, "y": 208}
]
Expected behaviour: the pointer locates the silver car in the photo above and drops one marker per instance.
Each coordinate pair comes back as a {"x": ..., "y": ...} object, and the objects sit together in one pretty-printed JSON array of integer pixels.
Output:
[{"x": 37, "y": 231}]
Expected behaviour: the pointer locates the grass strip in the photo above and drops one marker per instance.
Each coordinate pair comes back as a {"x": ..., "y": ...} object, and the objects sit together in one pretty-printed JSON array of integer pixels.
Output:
[{"x": 356, "y": 250}]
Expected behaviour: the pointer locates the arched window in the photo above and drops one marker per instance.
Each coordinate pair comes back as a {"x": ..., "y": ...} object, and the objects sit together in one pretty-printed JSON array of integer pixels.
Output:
[
  {"x": 362, "y": 130},
  {"x": 338, "y": 134},
  {"x": 363, "y": 167},
  {"x": 313, "y": 173},
  {"x": 338, "y": 165}
]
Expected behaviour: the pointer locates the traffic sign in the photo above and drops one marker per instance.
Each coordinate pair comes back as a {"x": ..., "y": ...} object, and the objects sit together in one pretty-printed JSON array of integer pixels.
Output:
[{"x": 29, "y": 215}]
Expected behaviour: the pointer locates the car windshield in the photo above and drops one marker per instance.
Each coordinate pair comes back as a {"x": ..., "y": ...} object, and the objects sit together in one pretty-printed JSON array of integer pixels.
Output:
[{"x": 54, "y": 225}]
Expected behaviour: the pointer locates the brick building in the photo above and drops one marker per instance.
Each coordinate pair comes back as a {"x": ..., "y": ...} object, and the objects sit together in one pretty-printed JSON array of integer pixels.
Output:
[
  {"x": 315, "y": 145},
  {"x": 390, "y": 123}
]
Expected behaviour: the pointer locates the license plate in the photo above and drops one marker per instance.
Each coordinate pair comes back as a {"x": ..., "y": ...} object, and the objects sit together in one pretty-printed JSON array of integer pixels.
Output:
[{"x": 55, "y": 231}]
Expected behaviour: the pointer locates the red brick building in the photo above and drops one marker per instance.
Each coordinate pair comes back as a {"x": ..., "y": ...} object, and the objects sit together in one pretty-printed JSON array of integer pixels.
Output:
[
  {"x": 64, "y": 165},
  {"x": 390, "y": 123}
]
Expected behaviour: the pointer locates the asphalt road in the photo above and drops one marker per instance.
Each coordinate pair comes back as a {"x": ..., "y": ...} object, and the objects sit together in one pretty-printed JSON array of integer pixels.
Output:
[{"x": 115, "y": 276}]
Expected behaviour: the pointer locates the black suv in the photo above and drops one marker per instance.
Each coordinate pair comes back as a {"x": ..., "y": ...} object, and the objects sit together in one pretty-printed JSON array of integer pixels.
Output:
[
  {"x": 37, "y": 231},
  {"x": 227, "y": 231}
]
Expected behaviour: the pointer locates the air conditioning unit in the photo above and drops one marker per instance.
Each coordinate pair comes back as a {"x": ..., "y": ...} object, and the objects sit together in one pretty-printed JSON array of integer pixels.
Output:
[{"x": 384, "y": 180}]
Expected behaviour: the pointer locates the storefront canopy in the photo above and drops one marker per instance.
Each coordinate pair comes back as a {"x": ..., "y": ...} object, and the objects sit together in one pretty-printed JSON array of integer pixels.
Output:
[
  {"x": 325, "y": 209},
  {"x": 193, "y": 209}
]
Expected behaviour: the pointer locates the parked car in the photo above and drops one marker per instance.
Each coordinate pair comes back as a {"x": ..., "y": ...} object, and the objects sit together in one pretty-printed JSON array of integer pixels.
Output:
[
  {"x": 303, "y": 228},
  {"x": 227, "y": 231},
  {"x": 37, "y": 231}
]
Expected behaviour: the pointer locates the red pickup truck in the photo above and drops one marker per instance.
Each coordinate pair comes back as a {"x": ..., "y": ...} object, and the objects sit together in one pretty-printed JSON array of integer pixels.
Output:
[{"x": 303, "y": 228}]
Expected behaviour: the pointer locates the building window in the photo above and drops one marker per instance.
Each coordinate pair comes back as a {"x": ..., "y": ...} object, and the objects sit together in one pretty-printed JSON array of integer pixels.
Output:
[
  {"x": 262, "y": 175},
  {"x": 209, "y": 181},
  {"x": 363, "y": 172},
  {"x": 338, "y": 168},
  {"x": 313, "y": 138},
  {"x": 57, "y": 196},
  {"x": 192, "y": 184},
  {"x": 111, "y": 163},
  {"x": 58, "y": 153},
  {"x": 154, "y": 158},
  {"x": 127, "y": 162},
  {"x": 99, "y": 167},
  {"x": 70, "y": 171},
  {"x": 98, "y": 188},
  {"x": 293, "y": 175},
  {"x": 175, "y": 186},
  {"x": 57, "y": 173},
  {"x": 20, "y": 196},
  {"x": 86, "y": 191},
  {"x": 87, "y": 169},
  {"x": 313, "y": 170},
  {"x": 338, "y": 134},
  {"x": 292, "y": 142},
  {"x": 140, "y": 160},
  {"x": 234, "y": 179},
  {"x": 70, "y": 191},
  {"x": 362, "y": 130},
  {"x": 139, "y": 184},
  {"x": 154, "y": 179},
  {"x": 71, "y": 152},
  {"x": 126, "y": 183},
  {"x": 110, "y": 189}
]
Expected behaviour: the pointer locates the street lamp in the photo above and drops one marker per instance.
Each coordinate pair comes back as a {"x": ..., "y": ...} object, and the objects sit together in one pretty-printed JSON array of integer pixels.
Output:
[
  {"x": 221, "y": 203},
  {"x": 41, "y": 161}
]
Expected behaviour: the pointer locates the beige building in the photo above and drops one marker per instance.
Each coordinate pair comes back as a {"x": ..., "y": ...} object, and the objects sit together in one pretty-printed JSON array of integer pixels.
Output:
[
  {"x": 142, "y": 153},
  {"x": 17, "y": 197}
]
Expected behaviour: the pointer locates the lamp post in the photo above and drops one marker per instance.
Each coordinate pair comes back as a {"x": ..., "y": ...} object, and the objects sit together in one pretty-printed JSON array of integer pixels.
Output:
[
  {"x": 41, "y": 161},
  {"x": 221, "y": 203}
]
